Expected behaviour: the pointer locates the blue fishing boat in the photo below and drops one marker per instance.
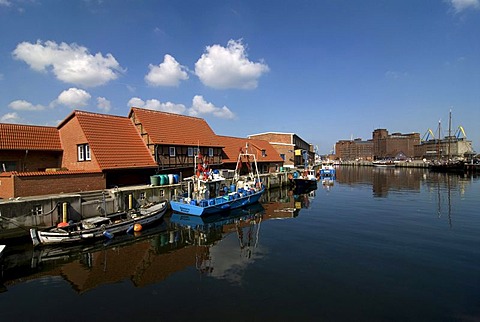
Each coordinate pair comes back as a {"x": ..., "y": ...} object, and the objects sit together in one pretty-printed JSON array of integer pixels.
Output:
[
  {"x": 327, "y": 170},
  {"x": 207, "y": 192},
  {"x": 216, "y": 220}
]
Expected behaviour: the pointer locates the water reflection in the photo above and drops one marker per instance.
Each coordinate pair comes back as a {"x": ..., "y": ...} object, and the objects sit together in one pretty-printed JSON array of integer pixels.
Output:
[
  {"x": 284, "y": 203},
  {"x": 386, "y": 180},
  {"x": 219, "y": 246}
]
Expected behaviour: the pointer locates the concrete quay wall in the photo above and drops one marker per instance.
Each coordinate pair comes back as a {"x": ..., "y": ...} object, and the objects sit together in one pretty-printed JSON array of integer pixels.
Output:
[{"x": 404, "y": 164}]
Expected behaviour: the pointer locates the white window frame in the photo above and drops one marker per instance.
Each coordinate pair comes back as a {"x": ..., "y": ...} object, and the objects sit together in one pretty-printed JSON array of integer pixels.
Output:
[
  {"x": 81, "y": 152},
  {"x": 190, "y": 152},
  {"x": 88, "y": 155},
  {"x": 171, "y": 151},
  {"x": 210, "y": 152}
]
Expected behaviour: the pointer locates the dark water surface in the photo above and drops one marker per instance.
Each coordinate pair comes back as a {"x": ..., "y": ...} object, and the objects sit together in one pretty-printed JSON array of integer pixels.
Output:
[{"x": 377, "y": 245}]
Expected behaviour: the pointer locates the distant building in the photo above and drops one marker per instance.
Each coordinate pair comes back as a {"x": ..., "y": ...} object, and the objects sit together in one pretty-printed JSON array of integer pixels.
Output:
[
  {"x": 446, "y": 148},
  {"x": 393, "y": 146},
  {"x": 291, "y": 147},
  {"x": 354, "y": 150}
]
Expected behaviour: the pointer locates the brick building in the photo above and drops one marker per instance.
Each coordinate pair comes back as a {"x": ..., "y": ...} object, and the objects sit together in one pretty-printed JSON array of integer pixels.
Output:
[
  {"x": 290, "y": 146},
  {"x": 91, "y": 151},
  {"x": 22, "y": 151},
  {"x": 382, "y": 146},
  {"x": 391, "y": 146},
  {"x": 354, "y": 150},
  {"x": 268, "y": 159},
  {"x": 174, "y": 140}
]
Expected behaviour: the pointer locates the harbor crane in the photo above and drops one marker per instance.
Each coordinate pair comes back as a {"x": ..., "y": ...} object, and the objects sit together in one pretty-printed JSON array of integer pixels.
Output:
[
  {"x": 427, "y": 135},
  {"x": 460, "y": 130}
]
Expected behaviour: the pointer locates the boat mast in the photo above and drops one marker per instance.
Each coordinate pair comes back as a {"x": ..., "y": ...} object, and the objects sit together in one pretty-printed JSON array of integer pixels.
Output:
[
  {"x": 439, "y": 139},
  {"x": 449, "y": 132}
]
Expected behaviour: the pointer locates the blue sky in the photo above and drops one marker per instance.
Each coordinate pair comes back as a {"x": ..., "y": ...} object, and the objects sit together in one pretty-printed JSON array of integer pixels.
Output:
[{"x": 327, "y": 70}]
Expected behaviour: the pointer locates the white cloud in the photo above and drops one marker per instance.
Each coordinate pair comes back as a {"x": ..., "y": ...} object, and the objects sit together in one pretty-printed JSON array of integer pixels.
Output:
[
  {"x": 70, "y": 63},
  {"x": 392, "y": 74},
  {"x": 229, "y": 67},
  {"x": 460, "y": 5},
  {"x": 155, "y": 104},
  {"x": 22, "y": 105},
  {"x": 168, "y": 73},
  {"x": 202, "y": 107},
  {"x": 73, "y": 97},
  {"x": 10, "y": 118},
  {"x": 5, "y": 3},
  {"x": 104, "y": 104}
]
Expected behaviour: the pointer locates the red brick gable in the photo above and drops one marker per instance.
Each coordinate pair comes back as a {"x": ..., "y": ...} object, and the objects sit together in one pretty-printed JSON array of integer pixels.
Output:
[
  {"x": 114, "y": 141},
  {"x": 232, "y": 146},
  {"x": 29, "y": 137},
  {"x": 175, "y": 129}
]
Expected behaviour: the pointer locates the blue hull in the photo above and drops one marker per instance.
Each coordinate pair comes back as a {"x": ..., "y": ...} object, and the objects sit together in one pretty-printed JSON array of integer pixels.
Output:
[
  {"x": 216, "y": 220},
  {"x": 221, "y": 205}
]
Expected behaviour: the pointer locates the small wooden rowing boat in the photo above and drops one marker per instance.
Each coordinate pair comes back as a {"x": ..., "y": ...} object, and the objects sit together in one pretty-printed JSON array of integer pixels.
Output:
[{"x": 98, "y": 227}]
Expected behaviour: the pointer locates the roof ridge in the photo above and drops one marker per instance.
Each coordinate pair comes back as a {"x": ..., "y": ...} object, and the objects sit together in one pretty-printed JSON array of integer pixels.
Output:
[
  {"x": 28, "y": 125},
  {"x": 78, "y": 112},
  {"x": 169, "y": 113}
]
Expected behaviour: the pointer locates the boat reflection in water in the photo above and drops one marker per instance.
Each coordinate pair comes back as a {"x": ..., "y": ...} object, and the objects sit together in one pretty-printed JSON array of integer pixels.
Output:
[
  {"x": 211, "y": 244},
  {"x": 221, "y": 238}
]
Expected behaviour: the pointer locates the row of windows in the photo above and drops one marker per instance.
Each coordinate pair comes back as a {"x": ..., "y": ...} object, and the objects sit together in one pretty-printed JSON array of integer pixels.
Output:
[
  {"x": 190, "y": 151},
  {"x": 83, "y": 152}
]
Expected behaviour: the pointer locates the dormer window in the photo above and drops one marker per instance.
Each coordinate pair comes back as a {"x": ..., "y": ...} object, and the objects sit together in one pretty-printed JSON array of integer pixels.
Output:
[
  {"x": 264, "y": 153},
  {"x": 83, "y": 152}
]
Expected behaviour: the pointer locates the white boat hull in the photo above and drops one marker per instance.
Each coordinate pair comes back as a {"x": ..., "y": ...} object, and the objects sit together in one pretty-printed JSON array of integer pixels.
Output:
[{"x": 66, "y": 235}]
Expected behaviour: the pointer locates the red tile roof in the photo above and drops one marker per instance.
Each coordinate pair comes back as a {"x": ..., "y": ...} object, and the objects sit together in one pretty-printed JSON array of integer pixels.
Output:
[
  {"x": 29, "y": 137},
  {"x": 175, "y": 129},
  {"x": 51, "y": 173},
  {"x": 113, "y": 140},
  {"x": 232, "y": 146}
]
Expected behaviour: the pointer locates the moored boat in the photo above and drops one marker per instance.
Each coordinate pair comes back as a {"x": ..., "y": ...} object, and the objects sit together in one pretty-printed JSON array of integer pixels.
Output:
[
  {"x": 208, "y": 192},
  {"x": 384, "y": 163},
  {"x": 304, "y": 181},
  {"x": 457, "y": 166},
  {"x": 99, "y": 226},
  {"x": 327, "y": 170}
]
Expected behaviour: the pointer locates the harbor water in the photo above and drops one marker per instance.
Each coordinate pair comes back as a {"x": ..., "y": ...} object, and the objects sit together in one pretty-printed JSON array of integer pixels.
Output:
[{"x": 373, "y": 244}]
